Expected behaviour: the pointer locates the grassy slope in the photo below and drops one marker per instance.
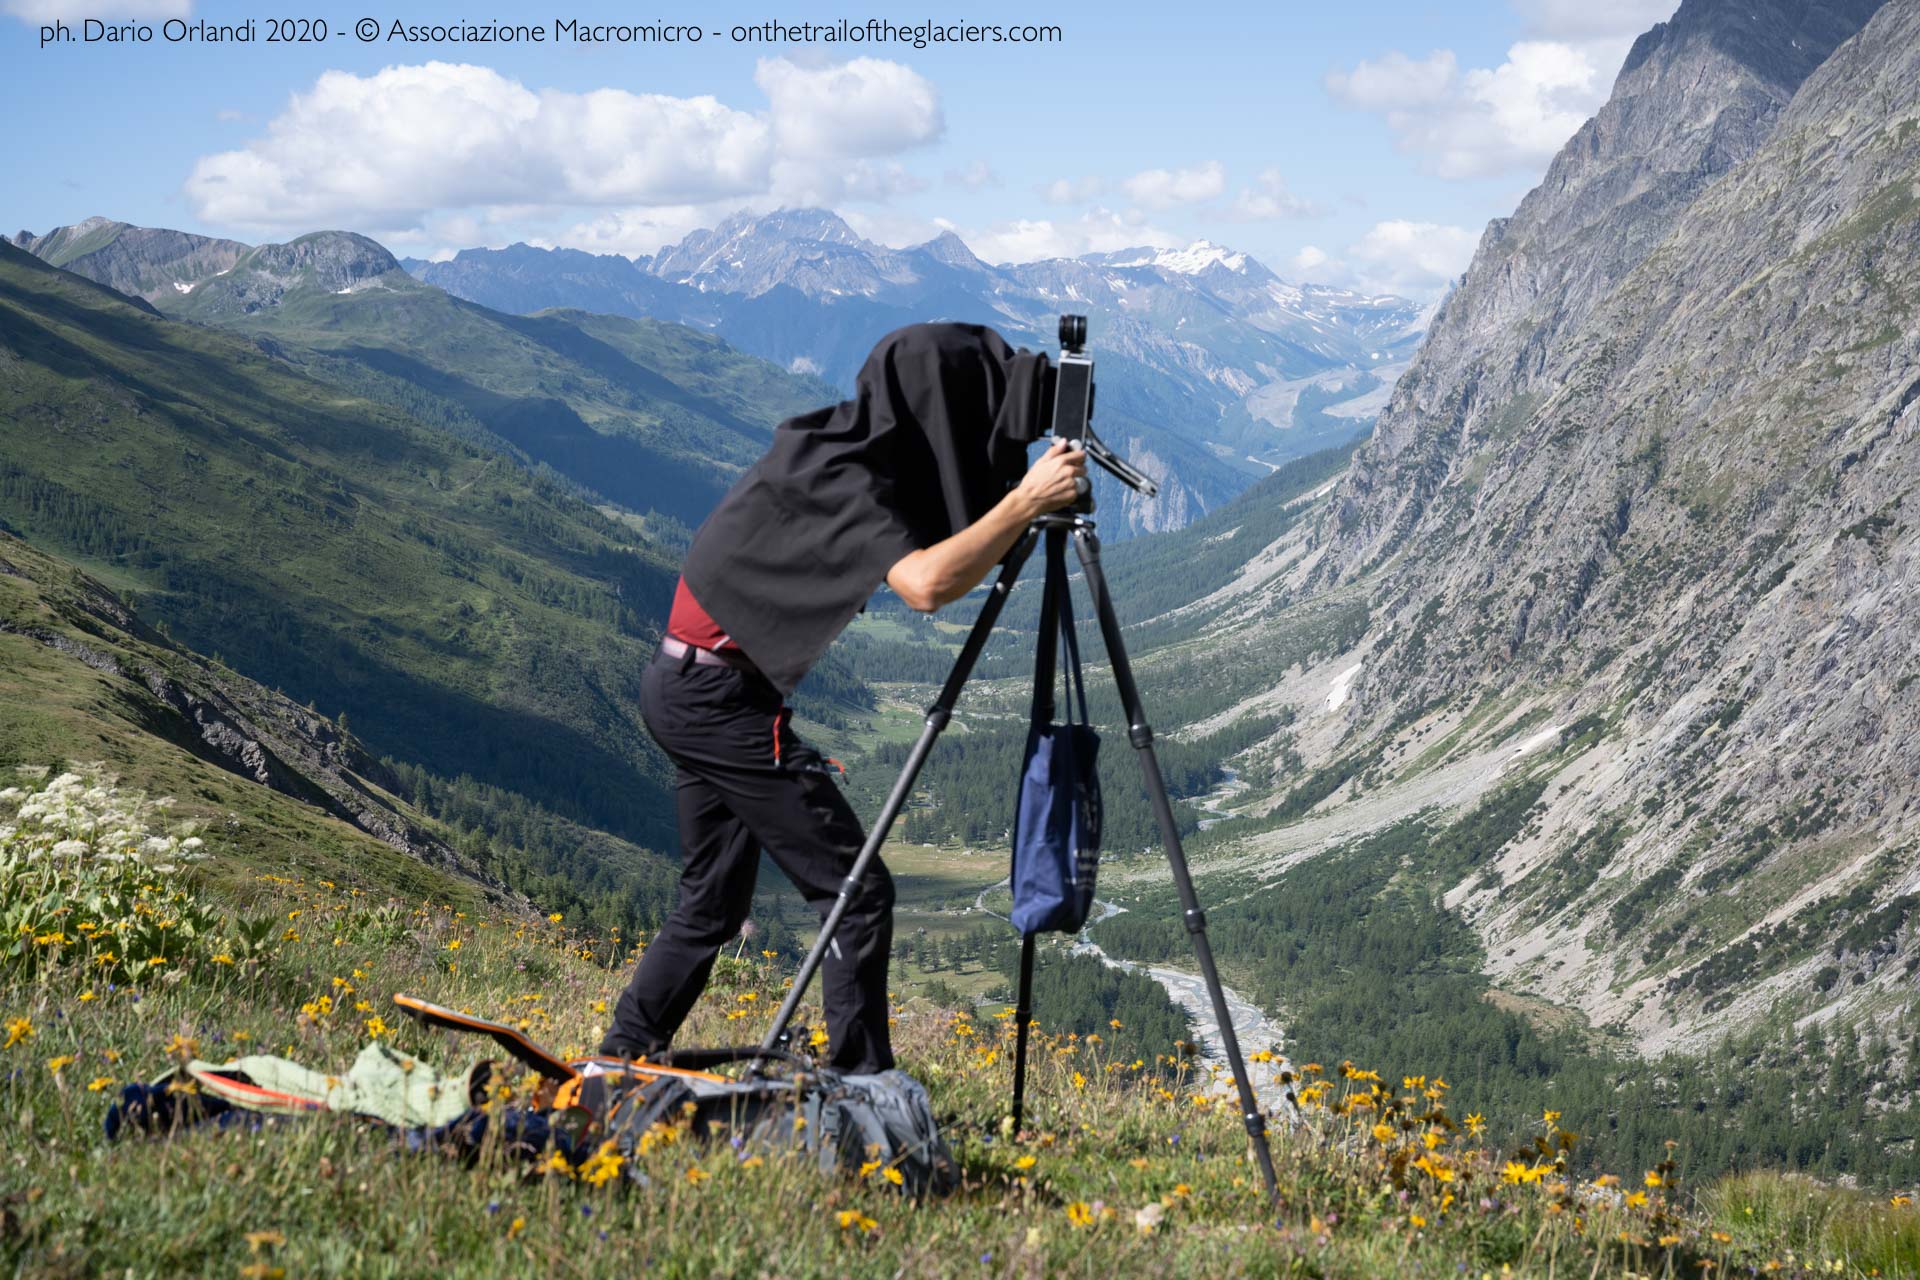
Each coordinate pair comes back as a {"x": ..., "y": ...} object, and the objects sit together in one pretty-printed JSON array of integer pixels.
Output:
[
  {"x": 455, "y": 607},
  {"x": 326, "y": 1197},
  {"x": 652, "y": 415},
  {"x": 53, "y": 707}
]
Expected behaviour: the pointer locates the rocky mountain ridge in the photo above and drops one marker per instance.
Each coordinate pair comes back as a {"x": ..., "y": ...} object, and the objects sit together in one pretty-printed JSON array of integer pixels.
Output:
[
  {"x": 1214, "y": 371},
  {"x": 1637, "y": 530},
  {"x": 149, "y": 263}
]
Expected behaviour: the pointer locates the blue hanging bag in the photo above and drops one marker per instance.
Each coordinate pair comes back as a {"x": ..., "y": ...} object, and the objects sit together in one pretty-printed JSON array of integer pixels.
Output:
[{"x": 1056, "y": 825}]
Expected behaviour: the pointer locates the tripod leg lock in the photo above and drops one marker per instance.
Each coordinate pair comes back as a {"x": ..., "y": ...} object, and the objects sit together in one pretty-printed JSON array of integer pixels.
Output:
[
  {"x": 1196, "y": 920},
  {"x": 1256, "y": 1125},
  {"x": 849, "y": 888},
  {"x": 938, "y": 716},
  {"x": 1140, "y": 734}
]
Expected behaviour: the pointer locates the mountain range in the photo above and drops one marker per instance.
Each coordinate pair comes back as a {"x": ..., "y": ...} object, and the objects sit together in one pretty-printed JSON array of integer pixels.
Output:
[
  {"x": 1633, "y": 546},
  {"x": 1212, "y": 369}
]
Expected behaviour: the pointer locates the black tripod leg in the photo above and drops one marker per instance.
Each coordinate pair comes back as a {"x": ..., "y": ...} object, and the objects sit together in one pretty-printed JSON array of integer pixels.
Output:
[
  {"x": 1141, "y": 735},
  {"x": 937, "y": 717},
  {"x": 1023, "y": 1014}
]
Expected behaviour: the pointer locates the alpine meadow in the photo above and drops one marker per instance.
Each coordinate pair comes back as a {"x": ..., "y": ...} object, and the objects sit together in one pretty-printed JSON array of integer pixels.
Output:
[{"x": 1533, "y": 675}]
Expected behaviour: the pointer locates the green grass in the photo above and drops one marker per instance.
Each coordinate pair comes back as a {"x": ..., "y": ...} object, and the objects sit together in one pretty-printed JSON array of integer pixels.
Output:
[
  {"x": 1112, "y": 1146},
  {"x": 453, "y": 604}
]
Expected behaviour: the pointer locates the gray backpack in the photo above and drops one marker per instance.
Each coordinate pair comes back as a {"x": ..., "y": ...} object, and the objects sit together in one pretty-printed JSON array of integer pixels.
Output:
[{"x": 847, "y": 1122}]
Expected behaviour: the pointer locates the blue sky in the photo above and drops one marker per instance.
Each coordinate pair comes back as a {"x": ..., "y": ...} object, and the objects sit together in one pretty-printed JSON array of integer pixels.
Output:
[{"x": 1361, "y": 144}]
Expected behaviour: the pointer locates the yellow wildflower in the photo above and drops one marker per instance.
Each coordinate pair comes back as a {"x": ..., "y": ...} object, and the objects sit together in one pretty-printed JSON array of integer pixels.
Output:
[{"x": 1079, "y": 1214}]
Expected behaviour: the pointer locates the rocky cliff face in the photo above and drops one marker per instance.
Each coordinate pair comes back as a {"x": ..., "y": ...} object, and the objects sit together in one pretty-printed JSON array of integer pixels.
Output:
[
  {"x": 330, "y": 261},
  {"x": 151, "y": 263},
  {"x": 1645, "y": 503},
  {"x": 1696, "y": 97}
]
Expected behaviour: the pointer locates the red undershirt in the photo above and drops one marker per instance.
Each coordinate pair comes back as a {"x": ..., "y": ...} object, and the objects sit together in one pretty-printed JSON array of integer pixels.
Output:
[{"x": 690, "y": 624}]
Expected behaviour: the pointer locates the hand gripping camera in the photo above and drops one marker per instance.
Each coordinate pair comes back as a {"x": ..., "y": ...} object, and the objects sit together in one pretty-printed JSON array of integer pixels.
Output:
[{"x": 1065, "y": 409}]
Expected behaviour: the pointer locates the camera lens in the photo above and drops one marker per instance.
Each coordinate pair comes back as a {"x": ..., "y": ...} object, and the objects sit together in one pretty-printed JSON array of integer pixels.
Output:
[{"x": 1073, "y": 332}]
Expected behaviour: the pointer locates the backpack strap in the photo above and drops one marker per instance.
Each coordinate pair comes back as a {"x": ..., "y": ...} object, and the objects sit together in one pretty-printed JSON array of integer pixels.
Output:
[
  {"x": 1053, "y": 591},
  {"x": 1070, "y": 640}
]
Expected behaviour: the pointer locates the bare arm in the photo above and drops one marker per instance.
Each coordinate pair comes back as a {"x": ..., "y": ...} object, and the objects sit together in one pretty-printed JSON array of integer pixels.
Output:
[{"x": 940, "y": 574}]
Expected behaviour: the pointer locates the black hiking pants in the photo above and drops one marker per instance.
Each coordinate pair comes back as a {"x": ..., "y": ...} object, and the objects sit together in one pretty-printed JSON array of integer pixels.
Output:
[{"x": 745, "y": 782}]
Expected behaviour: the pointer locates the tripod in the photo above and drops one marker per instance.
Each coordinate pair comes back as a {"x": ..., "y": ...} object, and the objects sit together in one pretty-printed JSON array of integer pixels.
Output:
[{"x": 1056, "y": 528}]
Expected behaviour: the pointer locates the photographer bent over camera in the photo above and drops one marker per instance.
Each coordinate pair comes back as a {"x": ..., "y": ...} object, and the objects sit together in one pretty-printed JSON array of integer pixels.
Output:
[{"x": 921, "y": 481}]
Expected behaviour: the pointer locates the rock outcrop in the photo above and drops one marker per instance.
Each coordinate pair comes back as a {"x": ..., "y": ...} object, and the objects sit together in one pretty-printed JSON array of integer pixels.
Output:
[{"x": 1653, "y": 480}]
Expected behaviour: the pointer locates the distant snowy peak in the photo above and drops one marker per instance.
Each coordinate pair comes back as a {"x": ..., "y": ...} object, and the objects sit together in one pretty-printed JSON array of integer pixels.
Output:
[
  {"x": 1196, "y": 259},
  {"x": 1199, "y": 256}
]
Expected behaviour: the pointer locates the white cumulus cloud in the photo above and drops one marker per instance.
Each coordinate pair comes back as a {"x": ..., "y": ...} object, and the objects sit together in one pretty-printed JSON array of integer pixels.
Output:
[
  {"x": 1417, "y": 259},
  {"x": 396, "y": 146},
  {"x": 1099, "y": 231},
  {"x": 1072, "y": 190},
  {"x": 1164, "y": 188},
  {"x": 973, "y": 177},
  {"x": 866, "y": 107},
  {"x": 1483, "y": 121},
  {"x": 1268, "y": 196}
]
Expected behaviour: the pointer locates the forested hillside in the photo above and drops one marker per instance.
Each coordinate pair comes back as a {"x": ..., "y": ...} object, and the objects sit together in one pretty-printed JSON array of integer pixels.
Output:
[{"x": 447, "y": 604}]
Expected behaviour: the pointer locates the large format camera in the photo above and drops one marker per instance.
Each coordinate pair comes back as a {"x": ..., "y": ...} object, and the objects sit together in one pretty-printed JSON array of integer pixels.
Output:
[{"x": 1065, "y": 410}]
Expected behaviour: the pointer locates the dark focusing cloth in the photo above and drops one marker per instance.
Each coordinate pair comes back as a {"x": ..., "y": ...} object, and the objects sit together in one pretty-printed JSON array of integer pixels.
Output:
[{"x": 929, "y": 443}]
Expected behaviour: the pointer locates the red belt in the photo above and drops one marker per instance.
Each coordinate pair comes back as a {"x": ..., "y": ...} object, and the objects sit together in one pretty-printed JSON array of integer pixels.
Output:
[{"x": 706, "y": 657}]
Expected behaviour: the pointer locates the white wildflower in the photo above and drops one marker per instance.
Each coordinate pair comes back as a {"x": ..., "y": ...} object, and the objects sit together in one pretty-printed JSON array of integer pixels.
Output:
[
  {"x": 11, "y": 794},
  {"x": 70, "y": 849}
]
